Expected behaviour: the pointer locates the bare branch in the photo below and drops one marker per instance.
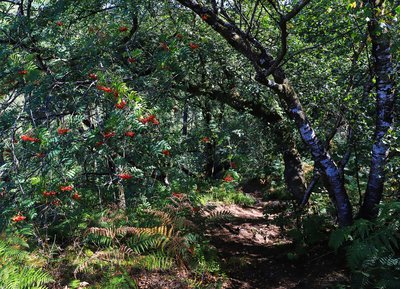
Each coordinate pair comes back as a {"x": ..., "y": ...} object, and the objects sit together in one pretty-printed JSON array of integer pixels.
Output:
[
  {"x": 310, "y": 187},
  {"x": 252, "y": 17},
  {"x": 297, "y": 8}
]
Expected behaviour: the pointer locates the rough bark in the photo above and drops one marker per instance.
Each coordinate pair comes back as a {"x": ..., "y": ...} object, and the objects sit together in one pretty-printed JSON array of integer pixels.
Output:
[
  {"x": 121, "y": 197},
  {"x": 185, "y": 119},
  {"x": 334, "y": 180},
  {"x": 262, "y": 61},
  {"x": 293, "y": 172},
  {"x": 209, "y": 149},
  {"x": 384, "y": 85}
]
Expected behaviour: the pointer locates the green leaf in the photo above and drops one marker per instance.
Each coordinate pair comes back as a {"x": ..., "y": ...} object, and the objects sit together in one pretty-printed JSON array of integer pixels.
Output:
[{"x": 35, "y": 180}]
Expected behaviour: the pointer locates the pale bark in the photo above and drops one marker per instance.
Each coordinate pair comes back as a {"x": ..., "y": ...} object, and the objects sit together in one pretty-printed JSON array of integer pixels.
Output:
[
  {"x": 384, "y": 85},
  {"x": 263, "y": 61}
]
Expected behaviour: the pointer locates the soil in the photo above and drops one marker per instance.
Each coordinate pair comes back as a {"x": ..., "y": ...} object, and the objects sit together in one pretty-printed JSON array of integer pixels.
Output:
[{"x": 254, "y": 254}]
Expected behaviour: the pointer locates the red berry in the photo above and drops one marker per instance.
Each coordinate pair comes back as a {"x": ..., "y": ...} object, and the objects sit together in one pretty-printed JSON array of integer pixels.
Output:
[
  {"x": 193, "y": 46},
  {"x": 29, "y": 138},
  {"x": 125, "y": 176},
  {"x": 205, "y": 139},
  {"x": 104, "y": 88},
  {"x": 66, "y": 188},
  {"x": 93, "y": 76},
  {"x": 108, "y": 135},
  {"x": 228, "y": 179},
  {"x": 121, "y": 104},
  {"x": 62, "y": 131},
  {"x": 18, "y": 218},
  {"x": 177, "y": 195},
  {"x": 56, "y": 202},
  {"x": 130, "y": 134},
  {"x": 76, "y": 196},
  {"x": 49, "y": 194}
]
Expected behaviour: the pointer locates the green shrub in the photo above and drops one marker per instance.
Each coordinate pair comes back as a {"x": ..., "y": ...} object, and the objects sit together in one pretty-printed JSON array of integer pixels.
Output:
[
  {"x": 372, "y": 249},
  {"x": 17, "y": 270}
]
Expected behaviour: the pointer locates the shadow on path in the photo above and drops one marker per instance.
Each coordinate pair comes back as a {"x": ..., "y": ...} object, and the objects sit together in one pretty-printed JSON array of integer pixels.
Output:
[{"x": 254, "y": 254}]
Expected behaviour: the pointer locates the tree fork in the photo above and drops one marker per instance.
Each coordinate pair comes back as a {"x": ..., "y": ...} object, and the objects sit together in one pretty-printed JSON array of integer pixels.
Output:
[
  {"x": 262, "y": 61},
  {"x": 384, "y": 86}
]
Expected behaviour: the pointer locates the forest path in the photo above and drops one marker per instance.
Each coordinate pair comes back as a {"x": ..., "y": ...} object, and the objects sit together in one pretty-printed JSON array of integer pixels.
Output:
[{"x": 254, "y": 253}]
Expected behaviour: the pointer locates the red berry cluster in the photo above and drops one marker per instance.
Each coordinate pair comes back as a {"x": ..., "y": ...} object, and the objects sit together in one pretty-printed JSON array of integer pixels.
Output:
[
  {"x": 28, "y": 138},
  {"x": 151, "y": 118}
]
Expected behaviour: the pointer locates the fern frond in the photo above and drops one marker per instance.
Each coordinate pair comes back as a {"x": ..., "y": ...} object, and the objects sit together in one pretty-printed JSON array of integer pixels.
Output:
[
  {"x": 105, "y": 232},
  {"x": 113, "y": 256},
  {"x": 339, "y": 237},
  {"x": 218, "y": 215},
  {"x": 143, "y": 243},
  {"x": 165, "y": 218},
  {"x": 157, "y": 261},
  {"x": 15, "y": 269}
]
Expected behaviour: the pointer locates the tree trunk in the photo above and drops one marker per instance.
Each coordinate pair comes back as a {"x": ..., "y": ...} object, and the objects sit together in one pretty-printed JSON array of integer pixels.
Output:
[
  {"x": 294, "y": 177},
  {"x": 263, "y": 62},
  {"x": 334, "y": 179},
  {"x": 293, "y": 173},
  {"x": 185, "y": 119},
  {"x": 121, "y": 197},
  {"x": 209, "y": 149},
  {"x": 383, "y": 69}
]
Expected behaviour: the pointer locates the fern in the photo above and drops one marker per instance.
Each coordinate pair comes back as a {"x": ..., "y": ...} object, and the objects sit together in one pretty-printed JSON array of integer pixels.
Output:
[
  {"x": 339, "y": 237},
  {"x": 166, "y": 219},
  {"x": 218, "y": 215},
  {"x": 143, "y": 243},
  {"x": 156, "y": 261},
  {"x": 113, "y": 256},
  {"x": 372, "y": 249},
  {"x": 156, "y": 247},
  {"x": 15, "y": 270}
]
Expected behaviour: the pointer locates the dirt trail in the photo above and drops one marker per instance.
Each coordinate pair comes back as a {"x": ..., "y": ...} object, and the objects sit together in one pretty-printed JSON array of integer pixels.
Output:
[{"x": 254, "y": 254}]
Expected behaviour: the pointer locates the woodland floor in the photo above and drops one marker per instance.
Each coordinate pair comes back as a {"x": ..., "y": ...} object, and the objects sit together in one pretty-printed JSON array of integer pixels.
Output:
[{"x": 253, "y": 254}]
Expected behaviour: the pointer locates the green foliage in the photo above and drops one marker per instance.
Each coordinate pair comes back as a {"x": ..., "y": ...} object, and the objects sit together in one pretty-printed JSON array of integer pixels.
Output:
[
  {"x": 123, "y": 281},
  {"x": 372, "y": 249},
  {"x": 312, "y": 230},
  {"x": 226, "y": 194},
  {"x": 161, "y": 240},
  {"x": 137, "y": 98},
  {"x": 17, "y": 271}
]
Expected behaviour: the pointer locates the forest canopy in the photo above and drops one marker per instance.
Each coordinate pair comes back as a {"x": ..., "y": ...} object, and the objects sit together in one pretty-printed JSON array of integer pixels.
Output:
[{"x": 131, "y": 131}]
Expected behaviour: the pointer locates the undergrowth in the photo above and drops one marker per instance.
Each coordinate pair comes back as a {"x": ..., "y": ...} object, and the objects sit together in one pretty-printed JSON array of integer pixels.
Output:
[
  {"x": 18, "y": 269},
  {"x": 228, "y": 195},
  {"x": 372, "y": 249},
  {"x": 119, "y": 243}
]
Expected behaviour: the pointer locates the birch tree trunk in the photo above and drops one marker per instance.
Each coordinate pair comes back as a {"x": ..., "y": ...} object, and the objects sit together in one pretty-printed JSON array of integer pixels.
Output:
[
  {"x": 266, "y": 65},
  {"x": 384, "y": 85}
]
